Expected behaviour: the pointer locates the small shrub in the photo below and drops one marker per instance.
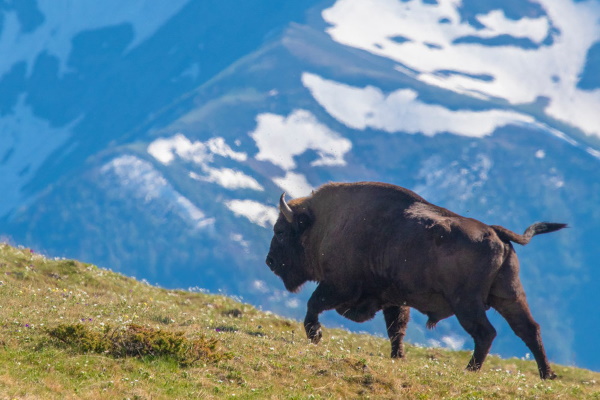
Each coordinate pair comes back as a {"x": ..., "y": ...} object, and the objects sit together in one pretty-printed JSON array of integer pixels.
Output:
[
  {"x": 137, "y": 341},
  {"x": 81, "y": 338}
]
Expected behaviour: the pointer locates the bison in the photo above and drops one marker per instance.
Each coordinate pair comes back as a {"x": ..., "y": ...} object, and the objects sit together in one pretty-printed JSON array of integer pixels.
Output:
[{"x": 373, "y": 246}]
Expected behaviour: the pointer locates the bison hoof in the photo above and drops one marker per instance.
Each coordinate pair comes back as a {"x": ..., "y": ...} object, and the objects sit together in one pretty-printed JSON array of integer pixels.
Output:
[
  {"x": 548, "y": 375},
  {"x": 314, "y": 333},
  {"x": 473, "y": 366},
  {"x": 316, "y": 338},
  {"x": 397, "y": 354}
]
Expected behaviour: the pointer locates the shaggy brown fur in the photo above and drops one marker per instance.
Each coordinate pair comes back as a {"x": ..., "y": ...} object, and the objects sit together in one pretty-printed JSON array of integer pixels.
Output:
[{"x": 374, "y": 246}]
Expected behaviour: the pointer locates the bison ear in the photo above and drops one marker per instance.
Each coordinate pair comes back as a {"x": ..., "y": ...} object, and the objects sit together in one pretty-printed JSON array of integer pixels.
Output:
[{"x": 302, "y": 221}]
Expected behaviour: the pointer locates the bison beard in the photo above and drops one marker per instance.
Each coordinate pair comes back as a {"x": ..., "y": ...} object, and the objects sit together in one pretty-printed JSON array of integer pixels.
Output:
[{"x": 374, "y": 246}]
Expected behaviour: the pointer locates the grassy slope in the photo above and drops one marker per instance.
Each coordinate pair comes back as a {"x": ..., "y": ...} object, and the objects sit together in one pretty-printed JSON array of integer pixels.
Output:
[{"x": 259, "y": 355}]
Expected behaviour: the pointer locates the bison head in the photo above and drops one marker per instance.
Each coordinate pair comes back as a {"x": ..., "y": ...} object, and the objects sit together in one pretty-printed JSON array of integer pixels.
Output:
[{"x": 286, "y": 256}]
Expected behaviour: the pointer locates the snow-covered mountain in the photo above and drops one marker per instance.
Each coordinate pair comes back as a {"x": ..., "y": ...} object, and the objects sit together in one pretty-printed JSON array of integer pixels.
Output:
[{"x": 156, "y": 138}]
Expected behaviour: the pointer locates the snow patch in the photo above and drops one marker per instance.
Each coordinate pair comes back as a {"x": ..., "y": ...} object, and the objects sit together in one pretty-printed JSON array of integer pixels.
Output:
[
  {"x": 27, "y": 142},
  {"x": 256, "y": 212},
  {"x": 520, "y": 75},
  {"x": 554, "y": 179},
  {"x": 239, "y": 238},
  {"x": 64, "y": 19},
  {"x": 496, "y": 23},
  {"x": 294, "y": 184},
  {"x": 260, "y": 286},
  {"x": 292, "y": 303},
  {"x": 541, "y": 154},
  {"x": 166, "y": 150},
  {"x": 459, "y": 180},
  {"x": 593, "y": 152},
  {"x": 144, "y": 183},
  {"x": 557, "y": 182},
  {"x": 369, "y": 107},
  {"x": 453, "y": 342},
  {"x": 283, "y": 297},
  {"x": 218, "y": 146},
  {"x": 280, "y": 138},
  {"x": 228, "y": 178}
]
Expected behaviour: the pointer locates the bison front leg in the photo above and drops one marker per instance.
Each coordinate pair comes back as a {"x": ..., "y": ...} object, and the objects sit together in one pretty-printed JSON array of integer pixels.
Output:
[
  {"x": 396, "y": 320},
  {"x": 325, "y": 297}
]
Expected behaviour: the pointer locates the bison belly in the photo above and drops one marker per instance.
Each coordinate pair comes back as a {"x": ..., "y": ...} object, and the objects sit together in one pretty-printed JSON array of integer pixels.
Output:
[
  {"x": 433, "y": 305},
  {"x": 360, "y": 311}
]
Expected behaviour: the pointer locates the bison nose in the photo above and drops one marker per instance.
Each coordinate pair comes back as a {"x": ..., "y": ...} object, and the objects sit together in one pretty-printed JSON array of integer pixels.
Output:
[{"x": 270, "y": 262}]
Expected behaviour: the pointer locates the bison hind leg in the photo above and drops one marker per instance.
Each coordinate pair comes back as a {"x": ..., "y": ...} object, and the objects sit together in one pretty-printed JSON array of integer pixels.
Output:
[{"x": 517, "y": 314}]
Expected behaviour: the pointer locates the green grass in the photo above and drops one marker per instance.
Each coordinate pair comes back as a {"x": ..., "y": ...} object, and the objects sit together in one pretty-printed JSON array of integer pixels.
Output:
[{"x": 70, "y": 330}]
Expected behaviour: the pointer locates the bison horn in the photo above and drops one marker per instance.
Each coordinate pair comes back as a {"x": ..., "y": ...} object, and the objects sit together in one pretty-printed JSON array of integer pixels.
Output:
[{"x": 285, "y": 209}]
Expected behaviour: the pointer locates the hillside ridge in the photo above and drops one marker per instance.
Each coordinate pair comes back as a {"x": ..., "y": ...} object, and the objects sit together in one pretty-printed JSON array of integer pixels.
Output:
[{"x": 57, "y": 314}]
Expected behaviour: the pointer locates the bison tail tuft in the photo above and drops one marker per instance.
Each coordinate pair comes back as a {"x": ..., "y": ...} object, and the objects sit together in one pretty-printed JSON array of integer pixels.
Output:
[
  {"x": 543, "y": 227},
  {"x": 535, "y": 229}
]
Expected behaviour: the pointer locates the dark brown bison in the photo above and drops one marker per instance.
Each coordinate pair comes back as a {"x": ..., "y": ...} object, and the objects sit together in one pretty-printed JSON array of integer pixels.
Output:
[{"x": 373, "y": 246}]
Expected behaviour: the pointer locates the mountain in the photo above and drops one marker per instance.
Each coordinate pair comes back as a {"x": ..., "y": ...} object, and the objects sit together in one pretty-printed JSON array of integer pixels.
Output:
[{"x": 156, "y": 139}]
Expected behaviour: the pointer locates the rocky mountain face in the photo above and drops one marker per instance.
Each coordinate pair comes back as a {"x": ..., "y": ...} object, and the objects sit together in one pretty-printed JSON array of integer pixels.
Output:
[{"x": 155, "y": 139}]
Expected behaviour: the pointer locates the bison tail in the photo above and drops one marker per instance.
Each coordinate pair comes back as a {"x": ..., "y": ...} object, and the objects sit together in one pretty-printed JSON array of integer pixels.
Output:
[{"x": 535, "y": 229}]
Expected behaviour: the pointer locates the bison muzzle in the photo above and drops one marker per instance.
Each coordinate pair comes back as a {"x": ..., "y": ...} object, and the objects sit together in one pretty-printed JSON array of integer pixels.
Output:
[{"x": 374, "y": 246}]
